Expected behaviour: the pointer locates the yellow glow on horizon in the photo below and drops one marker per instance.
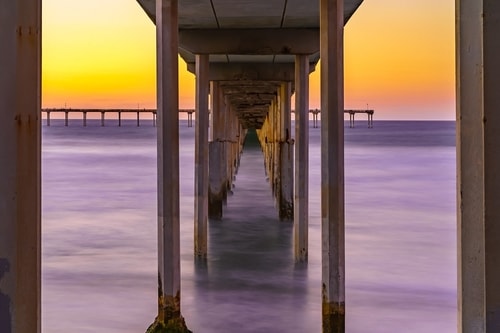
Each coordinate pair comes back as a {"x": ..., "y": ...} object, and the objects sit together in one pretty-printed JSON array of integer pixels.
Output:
[{"x": 399, "y": 58}]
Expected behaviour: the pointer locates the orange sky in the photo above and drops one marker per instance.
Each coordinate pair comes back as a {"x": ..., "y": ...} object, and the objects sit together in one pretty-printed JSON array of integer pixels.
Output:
[{"x": 399, "y": 58}]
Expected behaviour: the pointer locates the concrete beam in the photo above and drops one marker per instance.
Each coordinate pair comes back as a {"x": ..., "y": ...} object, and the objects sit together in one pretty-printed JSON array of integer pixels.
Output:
[
  {"x": 201, "y": 157},
  {"x": 20, "y": 81},
  {"x": 250, "y": 41},
  {"x": 281, "y": 72},
  {"x": 478, "y": 162},
  {"x": 301, "y": 212},
  {"x": 332, "y": 165}
]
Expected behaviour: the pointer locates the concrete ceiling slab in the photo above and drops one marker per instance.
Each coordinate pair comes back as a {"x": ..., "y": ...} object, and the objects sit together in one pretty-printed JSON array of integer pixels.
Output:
[
  {"x": 232, "y": 15},
  {"x": 249, "y": 13},
  {"x": 249, "y": 61}
]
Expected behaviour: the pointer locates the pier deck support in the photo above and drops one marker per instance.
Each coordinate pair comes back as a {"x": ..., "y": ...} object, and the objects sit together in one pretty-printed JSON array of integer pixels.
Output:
[
  {"x": 276, "y": 143},
  {"x": 301, "y": 157},
  {"x": 169, "y": 317},
  {"x": 217, "y": 154},
  {"x": 285, "y": 197},
  {"x": 20, "y": 37},
  {"x": 478, "y": 163},
  {"x": 201, "y": 157},
  {"x": 332, "y": 165}
]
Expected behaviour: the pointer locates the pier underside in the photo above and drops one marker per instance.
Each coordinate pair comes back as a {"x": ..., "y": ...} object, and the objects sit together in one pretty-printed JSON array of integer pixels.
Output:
[{"x": 250, "y": 56}]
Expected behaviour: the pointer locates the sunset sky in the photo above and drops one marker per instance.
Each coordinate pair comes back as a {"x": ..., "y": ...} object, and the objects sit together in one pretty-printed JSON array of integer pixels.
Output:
[{"x": 399, "y": 58}]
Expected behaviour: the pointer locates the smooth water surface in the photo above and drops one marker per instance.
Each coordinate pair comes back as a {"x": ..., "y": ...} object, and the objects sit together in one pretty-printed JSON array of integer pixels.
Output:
[{"x": 99, "y": 235}]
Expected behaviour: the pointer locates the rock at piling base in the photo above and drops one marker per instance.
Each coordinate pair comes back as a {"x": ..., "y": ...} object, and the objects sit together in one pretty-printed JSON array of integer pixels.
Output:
[{"x": 177, "y": 325}]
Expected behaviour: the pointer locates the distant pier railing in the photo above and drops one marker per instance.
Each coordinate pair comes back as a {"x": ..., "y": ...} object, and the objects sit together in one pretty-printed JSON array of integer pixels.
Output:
[
  {"x": 103, "y": 112},
  {"x": 369, "y": 113},
  {"x": 189, "y": 112}
]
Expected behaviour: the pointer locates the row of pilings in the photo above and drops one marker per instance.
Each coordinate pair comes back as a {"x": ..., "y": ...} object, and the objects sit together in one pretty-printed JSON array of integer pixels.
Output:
[
  {"x": 277, "y": 147},
  {"x": 227, "y": 137}
]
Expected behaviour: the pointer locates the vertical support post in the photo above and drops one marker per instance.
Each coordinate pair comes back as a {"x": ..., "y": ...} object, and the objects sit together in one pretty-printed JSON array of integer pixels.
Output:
[
  {"x": 301, "y": 157},
  {"x": 201, "y": 157},
  {"x": 119, "y": 119},
  {"x": 286, "y": 153},
  {"x": 217, "y": 155},
  {"x": 169, "y": 276},
  {"x": 478, "y": 162},
  {"x": 332, "y": 164},
  {"x": 20, "y": 149},
  {"x": 138, "y": 119},
  {"x": 66, "y": 118},
  {"x": 102, "y": 118},
  {"x": 48, "y": 118},
  {"x": 228, "y": 144},
  {"x": 84, "y": 118}
]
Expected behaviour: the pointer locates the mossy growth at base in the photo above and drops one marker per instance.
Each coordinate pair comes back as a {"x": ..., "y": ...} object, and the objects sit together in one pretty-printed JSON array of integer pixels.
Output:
[{"x": 176, "y": 325}]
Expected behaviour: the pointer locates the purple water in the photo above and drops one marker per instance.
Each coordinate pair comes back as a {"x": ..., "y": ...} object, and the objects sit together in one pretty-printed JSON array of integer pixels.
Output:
[{"x": 99, "y": 235}]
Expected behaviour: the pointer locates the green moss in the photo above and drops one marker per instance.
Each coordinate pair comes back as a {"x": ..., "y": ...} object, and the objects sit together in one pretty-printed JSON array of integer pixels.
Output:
[{"x": 172, "y": 326}]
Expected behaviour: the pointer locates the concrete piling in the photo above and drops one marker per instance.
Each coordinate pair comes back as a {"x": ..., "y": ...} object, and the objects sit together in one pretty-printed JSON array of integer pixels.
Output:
[
  {"x": 285, "y": 186},
  {"x": 201, "y": 157},
  {"x": 20, "y": 181},
  {"x": 217, "y": 154},
  {"x": 478, "y": 162},
  {"x": 169, "y": 317},
  {"x": 301, "y": 183},
  {"x": 332, "y": 165},
  {"x": 277, "y": 148}
]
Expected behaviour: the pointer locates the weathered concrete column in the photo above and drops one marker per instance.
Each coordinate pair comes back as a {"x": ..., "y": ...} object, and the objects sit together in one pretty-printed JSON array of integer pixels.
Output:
[
  {"x": 66, "y": 116},
  {"x": 169, "y": 276},
  {"x": 84, "y": 118},
  {"x": 301, "y": 183},
  {"x": 286, "y": 153},
  {"x": 48, "y": 118},
  {"x": 217, "y": 154},
  {"x": 102, "y": 117},
  {"x": 20, "y": 119},
  {"x": 478, "y": 164},
  {"x": 233, "y": 148},
  {"x": 201, "y": 157},
  {"x": 332, "y": 164}
]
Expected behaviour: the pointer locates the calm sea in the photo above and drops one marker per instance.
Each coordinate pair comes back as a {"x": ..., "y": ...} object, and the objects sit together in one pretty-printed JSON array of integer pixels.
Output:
[{"x": 99, "y": 235}]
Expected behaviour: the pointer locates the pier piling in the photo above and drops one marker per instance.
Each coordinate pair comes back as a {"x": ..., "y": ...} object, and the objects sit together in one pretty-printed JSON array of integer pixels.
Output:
[
  {"x": 332, "y": 165},
  {"x": 301, "y": 213},
  {"x": 201, "y": 157},
  {"x": 217, "y": 154},
  {"x": 169, "y": 317},
  {"x": 20, "y": 166}
]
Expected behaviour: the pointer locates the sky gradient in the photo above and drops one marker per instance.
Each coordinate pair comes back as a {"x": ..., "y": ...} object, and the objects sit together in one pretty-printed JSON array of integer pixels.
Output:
[{"x": 399, "y": 58}]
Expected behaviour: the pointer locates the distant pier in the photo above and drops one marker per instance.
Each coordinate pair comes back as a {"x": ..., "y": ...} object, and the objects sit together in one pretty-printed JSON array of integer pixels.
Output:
[
  {"x": 103, "y": 112},
  {"x": 189, "y": 112},
  {"x": 352, "y": 113}
]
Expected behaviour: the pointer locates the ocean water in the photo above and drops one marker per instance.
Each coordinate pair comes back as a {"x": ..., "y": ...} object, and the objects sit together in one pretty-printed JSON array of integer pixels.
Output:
[{"x": 99, "y": 269}]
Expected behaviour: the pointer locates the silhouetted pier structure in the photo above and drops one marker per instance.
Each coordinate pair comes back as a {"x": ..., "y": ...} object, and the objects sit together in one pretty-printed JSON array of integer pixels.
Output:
[
  {"x": 250, "y": 62},
  {"x": 352, "y": 113},
  {"x": 317, "y": 112},
  {"x": 189, "y": 112},
  {"x": 118, "y": 112}
]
